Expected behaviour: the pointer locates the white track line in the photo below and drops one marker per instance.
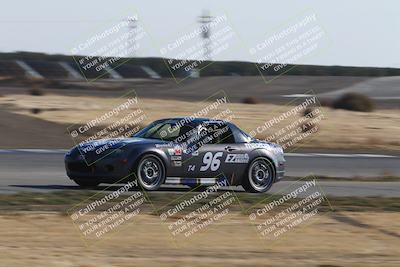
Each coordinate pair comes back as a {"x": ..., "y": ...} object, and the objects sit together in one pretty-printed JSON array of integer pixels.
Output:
[
  {"x": 298, "y": 95},
  {"x": 34, "y": 150}
]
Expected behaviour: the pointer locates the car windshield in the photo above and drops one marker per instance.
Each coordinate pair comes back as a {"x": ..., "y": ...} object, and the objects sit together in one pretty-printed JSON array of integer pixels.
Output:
[
  {"x": 246, "y": 136},
  {"x": 167, "y": 130}
]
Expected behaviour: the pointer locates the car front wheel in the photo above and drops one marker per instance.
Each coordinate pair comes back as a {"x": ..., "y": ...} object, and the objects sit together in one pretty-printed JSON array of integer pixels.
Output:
[
  {"x": 260, "y": 176},
  {"x": 150, "y": 172}
]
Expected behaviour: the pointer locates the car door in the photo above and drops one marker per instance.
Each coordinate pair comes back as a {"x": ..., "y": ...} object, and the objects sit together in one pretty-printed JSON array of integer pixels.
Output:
[
  {"x": 202, "y": 158},
  {"x": 221, "y": 155},
  {"x": 210, "y": 161}
]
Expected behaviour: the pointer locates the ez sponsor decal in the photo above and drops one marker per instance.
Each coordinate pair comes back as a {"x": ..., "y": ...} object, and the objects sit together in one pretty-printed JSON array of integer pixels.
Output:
[{"x": 237, "y": 158}]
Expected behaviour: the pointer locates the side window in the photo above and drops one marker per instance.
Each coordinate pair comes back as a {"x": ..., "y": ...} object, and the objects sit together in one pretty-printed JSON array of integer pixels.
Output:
[
  {"x": 239, "y": 135},
  {"x": 214, "y": 133},
  {"x": 222, "y": 134},
  {"x": 186, "y": 133},
  {"x": 166, "y": 132}
]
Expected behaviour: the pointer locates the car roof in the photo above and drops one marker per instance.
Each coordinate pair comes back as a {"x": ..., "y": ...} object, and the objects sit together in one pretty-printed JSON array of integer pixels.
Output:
[{"x": 195, "y": 120}]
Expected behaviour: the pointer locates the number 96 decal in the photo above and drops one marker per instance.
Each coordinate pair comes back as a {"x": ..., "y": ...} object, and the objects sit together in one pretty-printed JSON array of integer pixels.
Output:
[{"x": 211, "y": 161}]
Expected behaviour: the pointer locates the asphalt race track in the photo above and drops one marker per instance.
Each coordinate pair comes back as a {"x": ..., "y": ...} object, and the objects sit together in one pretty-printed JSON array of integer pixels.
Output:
[{"x": 43, "y": 171}]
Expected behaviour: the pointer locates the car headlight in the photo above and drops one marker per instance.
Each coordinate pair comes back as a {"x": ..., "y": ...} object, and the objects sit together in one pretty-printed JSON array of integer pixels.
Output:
[
  {"x": 277, "y": 148},
  {"x": 70, "y": 152}
]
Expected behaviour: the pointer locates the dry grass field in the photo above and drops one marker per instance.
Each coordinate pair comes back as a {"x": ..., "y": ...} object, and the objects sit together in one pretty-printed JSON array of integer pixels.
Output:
[
  {"x": 345, "y": 239},
  {"x": 338, "y": 129}
]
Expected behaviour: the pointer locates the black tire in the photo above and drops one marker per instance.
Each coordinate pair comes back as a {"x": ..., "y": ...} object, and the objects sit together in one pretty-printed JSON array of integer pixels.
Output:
[
  {"x": 86, "y": 183},
  {"x": 150, "y": 172},
  {"x": 260, "y": 175}
]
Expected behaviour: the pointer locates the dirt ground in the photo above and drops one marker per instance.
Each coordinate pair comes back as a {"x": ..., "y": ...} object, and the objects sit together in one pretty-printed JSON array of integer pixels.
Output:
[
  {"x": 335, "y": 239},
  {"x": 377, "y": 130}
]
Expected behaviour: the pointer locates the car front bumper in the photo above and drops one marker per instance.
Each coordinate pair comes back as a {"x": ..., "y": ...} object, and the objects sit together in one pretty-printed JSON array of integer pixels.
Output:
[
  {"x": 280, "y": 171},
  {"x": 104, "y": 170}
]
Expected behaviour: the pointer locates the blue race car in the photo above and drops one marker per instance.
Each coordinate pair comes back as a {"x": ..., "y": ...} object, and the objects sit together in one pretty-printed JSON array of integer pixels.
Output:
[{"x": 190, "y": 151}]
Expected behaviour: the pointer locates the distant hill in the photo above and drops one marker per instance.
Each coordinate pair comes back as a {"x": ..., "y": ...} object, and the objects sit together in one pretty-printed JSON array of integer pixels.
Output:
[{"x": 224, "y": 68}]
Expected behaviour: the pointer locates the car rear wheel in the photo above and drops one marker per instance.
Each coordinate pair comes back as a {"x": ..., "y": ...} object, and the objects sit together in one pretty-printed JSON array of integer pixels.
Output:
[
  {"x": 260, "y": 176},
  {"x": 86, "y": 183},
  {"x": 151, "y": 172}
]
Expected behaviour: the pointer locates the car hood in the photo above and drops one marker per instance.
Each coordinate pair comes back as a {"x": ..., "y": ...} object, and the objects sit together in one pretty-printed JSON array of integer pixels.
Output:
[
  {"x": 256, "y": 143},
  {"x": 104, "y": 145},
  {"x": 115, "y": 143}
]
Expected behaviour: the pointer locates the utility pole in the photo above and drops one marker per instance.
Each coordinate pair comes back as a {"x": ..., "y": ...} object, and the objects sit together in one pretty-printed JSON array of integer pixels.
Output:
[
  {"x": 205, "y": 19},
  {"x": 132, "y": 27}
]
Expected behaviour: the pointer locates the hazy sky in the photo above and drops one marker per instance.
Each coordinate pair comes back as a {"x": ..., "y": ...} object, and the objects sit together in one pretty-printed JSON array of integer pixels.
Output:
[{"x": 362, "y": 33}]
